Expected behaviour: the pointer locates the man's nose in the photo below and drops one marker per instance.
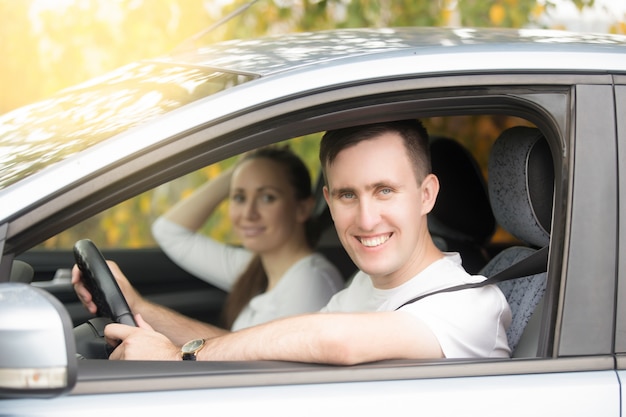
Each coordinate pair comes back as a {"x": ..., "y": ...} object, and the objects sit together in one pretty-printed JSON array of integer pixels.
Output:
[{"x": 368, "y": 215}]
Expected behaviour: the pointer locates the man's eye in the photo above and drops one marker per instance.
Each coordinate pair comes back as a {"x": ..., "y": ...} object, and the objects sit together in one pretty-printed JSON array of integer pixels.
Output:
[
  {"x": 347, "y": 196},
  {"x": 386, "y": 191}
]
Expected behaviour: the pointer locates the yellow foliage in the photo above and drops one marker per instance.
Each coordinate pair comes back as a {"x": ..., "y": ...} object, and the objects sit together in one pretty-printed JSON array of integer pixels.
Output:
[
  {"x": 497, "y": 13},
  {"x": 214, "y": 170},
  {"x": 145, "y": 204},
  {"x": 446, "y": 14},
  {"x": 538, "y": 10},
  {"x": 122, "y": 214},
  {"x": 618, "y": 28},
  {"x": 113, "y": 235}
]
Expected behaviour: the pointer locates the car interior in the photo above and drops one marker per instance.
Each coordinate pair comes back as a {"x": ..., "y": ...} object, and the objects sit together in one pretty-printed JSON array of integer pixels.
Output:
[{"x": 508, "y": 194}]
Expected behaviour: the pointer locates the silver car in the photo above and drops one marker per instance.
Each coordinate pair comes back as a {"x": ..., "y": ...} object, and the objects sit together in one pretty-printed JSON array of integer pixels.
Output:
[{"x": 529, "y": 142}]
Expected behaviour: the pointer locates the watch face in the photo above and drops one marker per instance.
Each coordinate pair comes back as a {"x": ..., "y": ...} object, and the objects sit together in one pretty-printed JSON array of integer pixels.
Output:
[{"x": 192, "y": 345}]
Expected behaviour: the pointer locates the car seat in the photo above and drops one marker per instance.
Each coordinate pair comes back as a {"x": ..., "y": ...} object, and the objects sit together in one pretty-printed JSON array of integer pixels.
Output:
[
  {"x": 461, "y": 220},
  {"x": 521, "y": 188}
]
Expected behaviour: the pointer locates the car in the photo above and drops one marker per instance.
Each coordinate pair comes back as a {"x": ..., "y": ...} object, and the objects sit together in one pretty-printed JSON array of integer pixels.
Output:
[{"x": 529, "y": 142}]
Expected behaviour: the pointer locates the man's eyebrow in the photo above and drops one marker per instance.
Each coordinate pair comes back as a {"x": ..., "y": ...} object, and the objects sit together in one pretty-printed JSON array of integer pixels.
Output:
[
  {"x": 379, "y": 184},
  {"x": 336, "y": 192}
]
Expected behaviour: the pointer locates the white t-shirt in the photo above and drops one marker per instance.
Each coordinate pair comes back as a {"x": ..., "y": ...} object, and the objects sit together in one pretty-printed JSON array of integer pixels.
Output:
[
  {"x": 305, "y": 287},
  {"x": 468, "y": 323}
]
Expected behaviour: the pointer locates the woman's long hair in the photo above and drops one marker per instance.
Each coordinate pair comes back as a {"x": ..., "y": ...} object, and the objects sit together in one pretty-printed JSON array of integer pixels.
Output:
[{"x": 253, "y": 281}]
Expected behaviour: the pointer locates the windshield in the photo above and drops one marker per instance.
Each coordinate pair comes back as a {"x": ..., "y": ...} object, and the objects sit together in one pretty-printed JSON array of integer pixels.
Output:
[{"x": 48, "y": 131}]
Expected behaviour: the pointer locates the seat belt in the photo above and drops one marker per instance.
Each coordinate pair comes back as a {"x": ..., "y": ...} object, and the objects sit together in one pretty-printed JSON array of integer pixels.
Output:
[{"x": 531, "y": 265}]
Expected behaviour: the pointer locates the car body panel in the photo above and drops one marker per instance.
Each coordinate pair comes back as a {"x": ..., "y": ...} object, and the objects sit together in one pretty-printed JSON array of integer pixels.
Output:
[
  {"x": 591, "y": 266},
  {"x": 567, "y": 394}
]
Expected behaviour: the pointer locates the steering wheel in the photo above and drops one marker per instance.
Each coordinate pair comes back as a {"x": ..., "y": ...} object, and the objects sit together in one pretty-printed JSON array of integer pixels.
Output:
[{"x": 106, "y": 294}]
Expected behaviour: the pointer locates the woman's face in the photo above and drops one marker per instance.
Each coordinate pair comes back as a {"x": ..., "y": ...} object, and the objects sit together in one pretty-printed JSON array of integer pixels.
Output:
[{"x": 263, "y": 207}]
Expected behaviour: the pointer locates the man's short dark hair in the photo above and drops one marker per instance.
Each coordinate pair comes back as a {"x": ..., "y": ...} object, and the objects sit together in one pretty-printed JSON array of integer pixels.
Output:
[{"x": 412, "y": 132}]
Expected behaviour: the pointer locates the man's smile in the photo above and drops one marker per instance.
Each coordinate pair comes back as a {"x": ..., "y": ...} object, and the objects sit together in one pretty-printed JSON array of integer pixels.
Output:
[{"x": 374, "y": 241}]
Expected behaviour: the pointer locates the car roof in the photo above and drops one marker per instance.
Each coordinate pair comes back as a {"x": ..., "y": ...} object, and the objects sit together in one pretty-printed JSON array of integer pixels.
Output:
[{"x": 281, "y": 53}]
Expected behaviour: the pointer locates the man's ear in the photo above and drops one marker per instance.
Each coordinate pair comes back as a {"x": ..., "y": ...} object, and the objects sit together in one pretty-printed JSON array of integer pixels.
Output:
[
  {"x": 430, "y": 190},
  {"x": 326, "y": 194},
  {"x": 327, "y": 198}
]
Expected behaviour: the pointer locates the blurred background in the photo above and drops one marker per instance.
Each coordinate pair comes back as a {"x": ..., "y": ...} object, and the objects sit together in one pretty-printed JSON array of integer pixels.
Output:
[
  {"x": 47, "y": 45},
  {"x": 51, "y": 44}
]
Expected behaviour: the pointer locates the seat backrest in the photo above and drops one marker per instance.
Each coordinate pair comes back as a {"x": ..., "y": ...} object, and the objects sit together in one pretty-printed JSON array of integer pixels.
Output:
[
  {"x": 521, "y": 188},
  {"x": 461, "y": 220}
]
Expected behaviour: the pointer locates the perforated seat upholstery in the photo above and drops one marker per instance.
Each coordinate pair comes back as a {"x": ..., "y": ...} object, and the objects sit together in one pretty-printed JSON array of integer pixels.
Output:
[
  {"x": 461, "y": 220},
  {"x": 521, "y": 188}
]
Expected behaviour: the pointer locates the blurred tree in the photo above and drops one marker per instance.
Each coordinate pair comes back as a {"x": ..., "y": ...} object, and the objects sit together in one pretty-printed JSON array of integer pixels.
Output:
[{"x": 56, "y": 44}]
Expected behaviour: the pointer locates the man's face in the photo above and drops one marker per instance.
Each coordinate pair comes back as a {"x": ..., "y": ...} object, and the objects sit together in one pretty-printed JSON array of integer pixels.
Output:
[{"x": 379, "y": 209}]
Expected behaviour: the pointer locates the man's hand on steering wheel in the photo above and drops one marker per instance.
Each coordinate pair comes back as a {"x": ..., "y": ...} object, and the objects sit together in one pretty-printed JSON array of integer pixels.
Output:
[
  {"x": 98, "y": 280},
  {"x": 128, "y": 291}
]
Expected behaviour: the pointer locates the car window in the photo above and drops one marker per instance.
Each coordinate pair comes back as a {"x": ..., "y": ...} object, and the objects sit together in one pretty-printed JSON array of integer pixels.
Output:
[{"x": 127, "y": 225}]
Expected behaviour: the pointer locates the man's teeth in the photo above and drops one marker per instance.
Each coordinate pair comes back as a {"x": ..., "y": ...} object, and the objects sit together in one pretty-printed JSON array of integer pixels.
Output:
[{"x": 374, "y": 241}]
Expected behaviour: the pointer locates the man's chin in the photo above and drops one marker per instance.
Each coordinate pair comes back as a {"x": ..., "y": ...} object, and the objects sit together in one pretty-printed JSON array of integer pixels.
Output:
[{"x": 374, "y": 269}]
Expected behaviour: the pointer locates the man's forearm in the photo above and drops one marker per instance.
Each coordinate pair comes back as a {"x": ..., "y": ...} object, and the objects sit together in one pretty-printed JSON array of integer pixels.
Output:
[
  {"x": 177, "y": 327},
  {"x": 341, "y": 339},
  {"x": 305, "y": 338}
]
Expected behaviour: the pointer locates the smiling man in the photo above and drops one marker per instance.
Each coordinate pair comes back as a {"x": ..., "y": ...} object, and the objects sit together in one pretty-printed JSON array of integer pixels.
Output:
[{"x": 379, "y": 188}]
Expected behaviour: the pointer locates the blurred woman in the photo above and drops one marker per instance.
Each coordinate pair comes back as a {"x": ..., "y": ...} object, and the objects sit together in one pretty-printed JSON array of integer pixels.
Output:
[{"x": 276, "y": 272}]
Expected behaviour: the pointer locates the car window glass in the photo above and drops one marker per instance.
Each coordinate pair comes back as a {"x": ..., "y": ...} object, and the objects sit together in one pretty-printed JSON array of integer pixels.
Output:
[{"x": 127, "y": 225}]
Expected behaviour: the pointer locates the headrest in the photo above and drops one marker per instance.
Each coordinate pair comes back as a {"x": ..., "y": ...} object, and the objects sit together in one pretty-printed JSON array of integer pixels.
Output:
[
  {"x": 462, "y": 211},
  {"x": 521, "y": 184}
]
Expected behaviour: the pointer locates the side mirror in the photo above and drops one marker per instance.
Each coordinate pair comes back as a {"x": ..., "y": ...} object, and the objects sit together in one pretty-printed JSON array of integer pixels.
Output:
[{"x": 37, "y": 350}]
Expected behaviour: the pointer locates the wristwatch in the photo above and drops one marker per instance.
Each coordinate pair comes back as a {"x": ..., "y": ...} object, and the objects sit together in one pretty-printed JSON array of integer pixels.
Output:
[{"x": 191, "y": 348}]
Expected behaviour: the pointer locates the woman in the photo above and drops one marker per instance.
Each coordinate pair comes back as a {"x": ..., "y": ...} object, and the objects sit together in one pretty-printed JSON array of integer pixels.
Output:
[{"x": 276, "y": 273}]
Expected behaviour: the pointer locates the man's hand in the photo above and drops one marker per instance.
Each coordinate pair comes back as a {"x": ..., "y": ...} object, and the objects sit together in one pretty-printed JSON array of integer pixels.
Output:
[
  {"x": 130, "y": 294},
  {"x": 140, "y": 343}
]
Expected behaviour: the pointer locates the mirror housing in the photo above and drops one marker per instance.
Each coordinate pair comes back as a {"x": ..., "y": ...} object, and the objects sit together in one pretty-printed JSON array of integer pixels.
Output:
[{"x": 37, "y": 348}]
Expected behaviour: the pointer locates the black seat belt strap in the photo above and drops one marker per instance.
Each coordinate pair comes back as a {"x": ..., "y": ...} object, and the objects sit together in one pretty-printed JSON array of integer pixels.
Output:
[{"x": 531, "y": 265}]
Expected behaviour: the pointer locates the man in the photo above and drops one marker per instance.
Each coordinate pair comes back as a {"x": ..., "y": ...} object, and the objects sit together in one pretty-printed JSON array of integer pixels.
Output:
[{"x": 379, "y": 188}]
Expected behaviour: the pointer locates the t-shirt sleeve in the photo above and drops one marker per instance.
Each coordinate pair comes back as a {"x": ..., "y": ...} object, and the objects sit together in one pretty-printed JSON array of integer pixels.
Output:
[
  {"x": 214, "y": 262},
  {"x": 468, "y": 324}
]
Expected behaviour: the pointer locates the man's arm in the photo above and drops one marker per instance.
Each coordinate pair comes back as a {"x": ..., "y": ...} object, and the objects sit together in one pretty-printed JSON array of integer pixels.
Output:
[
  {"x": 177, "y": 327},
  {"x": 342, "y": 339}
]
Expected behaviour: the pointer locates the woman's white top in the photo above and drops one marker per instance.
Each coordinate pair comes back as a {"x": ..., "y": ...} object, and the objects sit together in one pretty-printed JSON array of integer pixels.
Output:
[{"x": 306, "y": 287}]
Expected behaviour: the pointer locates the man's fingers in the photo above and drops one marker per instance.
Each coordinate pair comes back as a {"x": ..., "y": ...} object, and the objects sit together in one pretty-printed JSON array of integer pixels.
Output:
[
  {"x": 81, "y": 291},
  {"x": 116, "y": 331},
  {"x": 142, "y": 323}
]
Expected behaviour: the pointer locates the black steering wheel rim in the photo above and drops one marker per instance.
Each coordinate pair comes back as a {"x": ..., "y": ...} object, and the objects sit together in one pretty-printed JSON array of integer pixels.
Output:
[
  {"x": 109, "y": 299},
  {"x": 101, "y": 283}
]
